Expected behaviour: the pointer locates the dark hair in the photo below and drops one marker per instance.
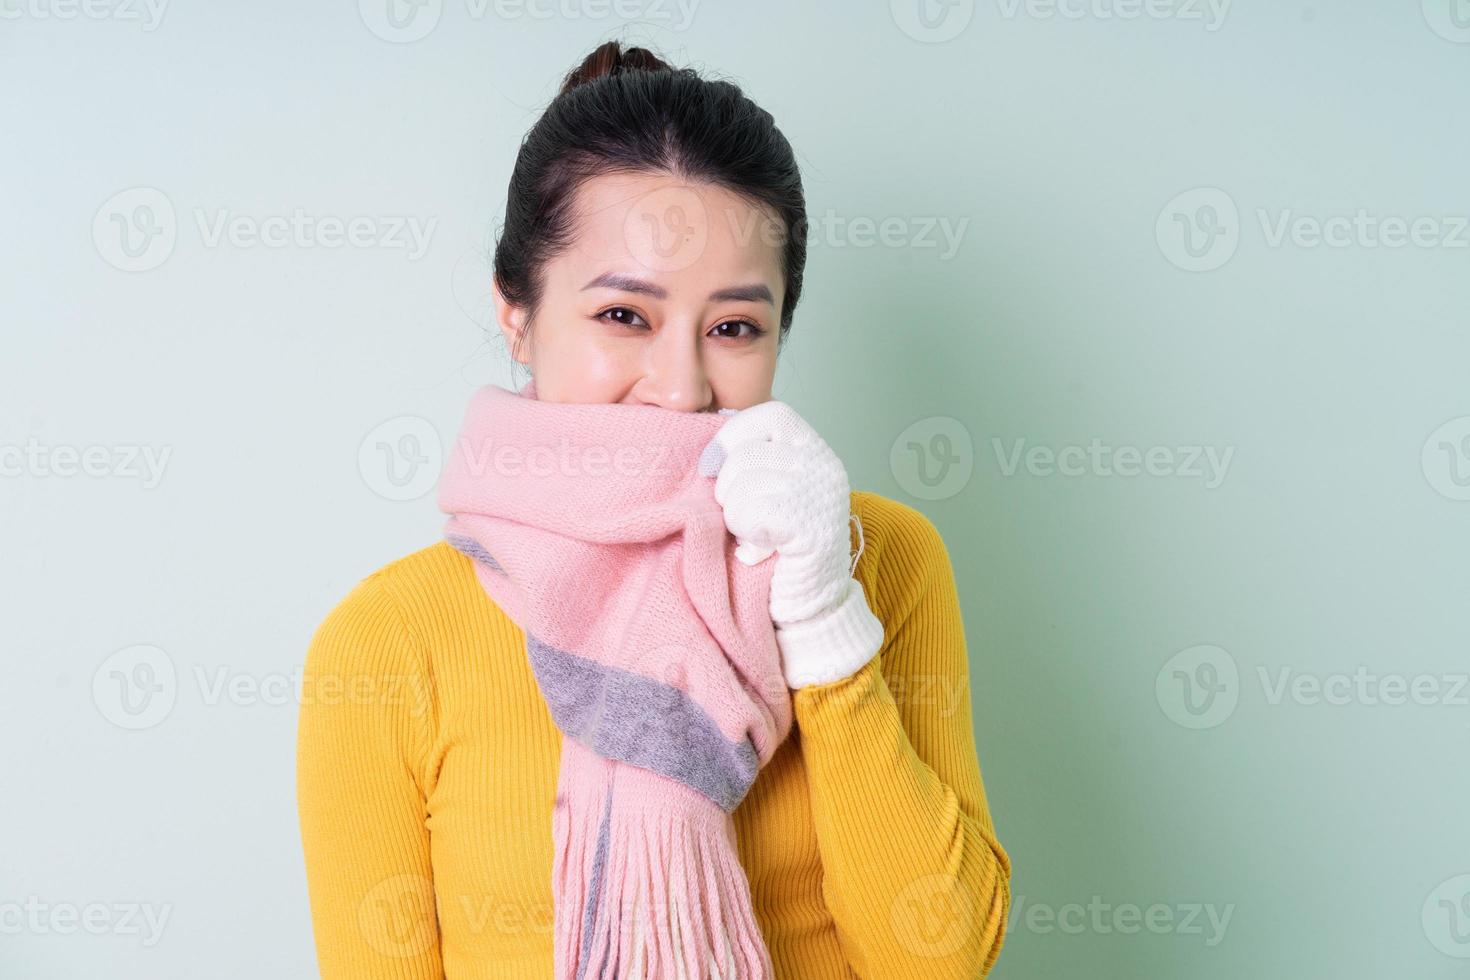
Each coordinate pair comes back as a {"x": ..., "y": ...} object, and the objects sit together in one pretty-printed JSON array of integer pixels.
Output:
[{"x": 626, "y": 111}]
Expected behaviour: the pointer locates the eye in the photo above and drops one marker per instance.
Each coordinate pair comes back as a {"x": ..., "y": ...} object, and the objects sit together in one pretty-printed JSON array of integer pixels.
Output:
[
  {"x": 623, "y": 310},
  {"x": 756, "y": 329}
]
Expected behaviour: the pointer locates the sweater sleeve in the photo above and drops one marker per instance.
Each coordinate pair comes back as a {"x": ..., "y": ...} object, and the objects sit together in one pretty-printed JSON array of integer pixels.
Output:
[
  {"x": 913, "y": 874},
  {"x": 363, "y": 732}
]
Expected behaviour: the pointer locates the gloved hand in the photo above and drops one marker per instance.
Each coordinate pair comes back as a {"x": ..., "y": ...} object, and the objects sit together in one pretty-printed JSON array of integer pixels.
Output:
[{"x": 784, "y": 490}]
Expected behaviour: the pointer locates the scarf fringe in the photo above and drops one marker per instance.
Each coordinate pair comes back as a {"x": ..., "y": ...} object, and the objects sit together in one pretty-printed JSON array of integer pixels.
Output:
[{"x": 644, "y": 925}]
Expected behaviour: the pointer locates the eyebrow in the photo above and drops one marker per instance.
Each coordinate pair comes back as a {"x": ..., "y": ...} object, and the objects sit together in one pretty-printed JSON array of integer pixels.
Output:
[{"x": 755, "y": 292}]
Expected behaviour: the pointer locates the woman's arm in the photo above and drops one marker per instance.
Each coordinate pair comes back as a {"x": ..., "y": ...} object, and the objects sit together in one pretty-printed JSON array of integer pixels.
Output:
[
  {"x": 364, "y": 729},
  {"x": 913, "y": 874}
]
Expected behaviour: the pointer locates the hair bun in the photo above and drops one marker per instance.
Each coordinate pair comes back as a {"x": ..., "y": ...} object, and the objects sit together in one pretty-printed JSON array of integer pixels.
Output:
[{"x": 611, "y": 59}]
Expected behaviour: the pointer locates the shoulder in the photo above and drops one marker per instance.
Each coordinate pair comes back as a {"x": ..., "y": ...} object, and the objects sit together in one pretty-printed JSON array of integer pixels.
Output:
[
  {"x": 432, "y": 568},
  {"x": 394, "y": 612},
  {"x": 368, "y": 687},
  {"x": 903, "y": 556},
  {"x": 896, "y": 529}
]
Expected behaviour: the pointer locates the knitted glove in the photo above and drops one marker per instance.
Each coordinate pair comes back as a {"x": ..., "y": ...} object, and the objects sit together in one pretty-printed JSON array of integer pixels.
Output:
[{"x": 782, "y": 489}]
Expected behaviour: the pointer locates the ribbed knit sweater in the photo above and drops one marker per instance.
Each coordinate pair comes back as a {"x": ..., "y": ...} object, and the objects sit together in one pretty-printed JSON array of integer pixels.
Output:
[{"x": 427, "y": 767}]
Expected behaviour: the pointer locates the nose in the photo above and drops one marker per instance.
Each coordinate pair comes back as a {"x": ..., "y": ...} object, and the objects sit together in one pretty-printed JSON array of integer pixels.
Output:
[{"x": 674, "y": 375}]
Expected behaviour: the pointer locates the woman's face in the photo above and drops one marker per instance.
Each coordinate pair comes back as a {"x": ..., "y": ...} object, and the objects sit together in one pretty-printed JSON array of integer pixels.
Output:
[{"x": 670, "y": 296}]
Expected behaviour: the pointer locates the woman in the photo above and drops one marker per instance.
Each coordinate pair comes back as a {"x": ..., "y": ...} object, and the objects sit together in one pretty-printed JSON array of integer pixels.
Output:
[{"x": 652, "y": 255}]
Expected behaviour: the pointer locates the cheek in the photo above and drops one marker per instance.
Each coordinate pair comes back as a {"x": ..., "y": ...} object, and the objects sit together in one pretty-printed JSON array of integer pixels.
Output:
[
  {"x": 743, "y": 379},
  {"x": 578, "y": 361}
]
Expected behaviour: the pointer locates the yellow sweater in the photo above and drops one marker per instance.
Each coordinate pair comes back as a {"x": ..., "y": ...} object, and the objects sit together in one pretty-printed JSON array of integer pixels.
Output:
[{"x": 427, "y": 764}]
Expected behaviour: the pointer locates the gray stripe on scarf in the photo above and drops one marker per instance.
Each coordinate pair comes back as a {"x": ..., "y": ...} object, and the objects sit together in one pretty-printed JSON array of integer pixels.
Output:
[
  {"x": 643, "y": 722},
  {"x": 634, "y": 719},
  {"x": 475, "y": 550},
  {"x": 594, "y": 888}
]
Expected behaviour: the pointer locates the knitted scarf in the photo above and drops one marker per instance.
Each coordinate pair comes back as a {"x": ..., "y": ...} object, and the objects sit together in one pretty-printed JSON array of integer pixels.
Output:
[{"x": 595, "y": 528}]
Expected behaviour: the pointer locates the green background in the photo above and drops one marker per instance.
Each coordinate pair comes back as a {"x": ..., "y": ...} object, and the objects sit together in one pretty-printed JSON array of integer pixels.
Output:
[{"x": 1070, "y": 148}]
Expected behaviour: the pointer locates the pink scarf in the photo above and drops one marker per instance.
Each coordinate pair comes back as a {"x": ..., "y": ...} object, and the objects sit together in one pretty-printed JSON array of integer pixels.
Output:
[{"x": 595, "y": 528}]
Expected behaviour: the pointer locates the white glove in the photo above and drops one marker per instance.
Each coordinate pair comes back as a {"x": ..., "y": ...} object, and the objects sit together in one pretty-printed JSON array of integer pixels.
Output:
[{"x": 784, "y": 490}]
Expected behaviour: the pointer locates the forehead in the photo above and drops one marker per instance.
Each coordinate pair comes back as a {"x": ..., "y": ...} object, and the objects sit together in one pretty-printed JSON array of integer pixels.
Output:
[{"x": 675, "y": 232}]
